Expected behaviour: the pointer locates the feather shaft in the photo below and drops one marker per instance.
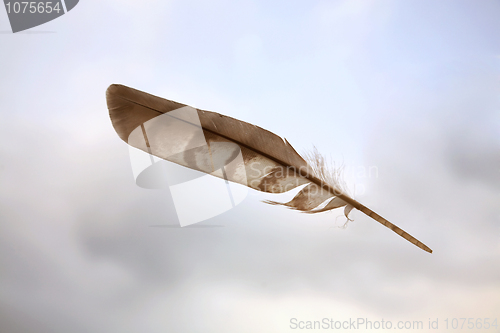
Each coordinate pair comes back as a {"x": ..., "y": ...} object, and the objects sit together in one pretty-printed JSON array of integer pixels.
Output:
[{"x": 367, "y": 211}]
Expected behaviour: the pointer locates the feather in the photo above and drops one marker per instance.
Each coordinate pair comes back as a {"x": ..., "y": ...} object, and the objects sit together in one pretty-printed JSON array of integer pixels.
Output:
[{"x": 209, "y": 142}]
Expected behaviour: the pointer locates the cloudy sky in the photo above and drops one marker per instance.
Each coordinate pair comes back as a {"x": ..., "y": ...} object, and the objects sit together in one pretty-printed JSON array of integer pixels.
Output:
[{"x": 410, "y": 88}]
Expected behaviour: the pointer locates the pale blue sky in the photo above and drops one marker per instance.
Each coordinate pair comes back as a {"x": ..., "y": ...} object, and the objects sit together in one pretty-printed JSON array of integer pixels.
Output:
[{"x": 411, "y": 87}]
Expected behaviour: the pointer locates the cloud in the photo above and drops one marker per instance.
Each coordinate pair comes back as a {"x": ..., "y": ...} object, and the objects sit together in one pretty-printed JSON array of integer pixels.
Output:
[{"x": 77, "y": 246}]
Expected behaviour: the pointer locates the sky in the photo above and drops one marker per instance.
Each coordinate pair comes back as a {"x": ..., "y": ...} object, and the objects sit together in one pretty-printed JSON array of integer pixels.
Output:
[{"x": 410, "y": 89}]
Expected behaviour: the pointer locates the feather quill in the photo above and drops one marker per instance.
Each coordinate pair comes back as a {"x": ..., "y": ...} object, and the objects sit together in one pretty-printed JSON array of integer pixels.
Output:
[{"x": 269, "y": 163}]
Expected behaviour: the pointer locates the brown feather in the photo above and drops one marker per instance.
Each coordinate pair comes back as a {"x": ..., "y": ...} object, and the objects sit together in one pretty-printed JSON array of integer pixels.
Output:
[{"x": 269, "y": 163}]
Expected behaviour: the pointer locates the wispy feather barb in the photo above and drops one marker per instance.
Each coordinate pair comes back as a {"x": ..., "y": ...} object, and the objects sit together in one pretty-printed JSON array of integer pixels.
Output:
[{"x": 325, "y": 169}]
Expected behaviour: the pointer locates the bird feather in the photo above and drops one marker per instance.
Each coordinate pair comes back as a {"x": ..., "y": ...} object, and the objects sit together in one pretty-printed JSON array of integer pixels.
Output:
[{"x": 269, "y": 163}]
